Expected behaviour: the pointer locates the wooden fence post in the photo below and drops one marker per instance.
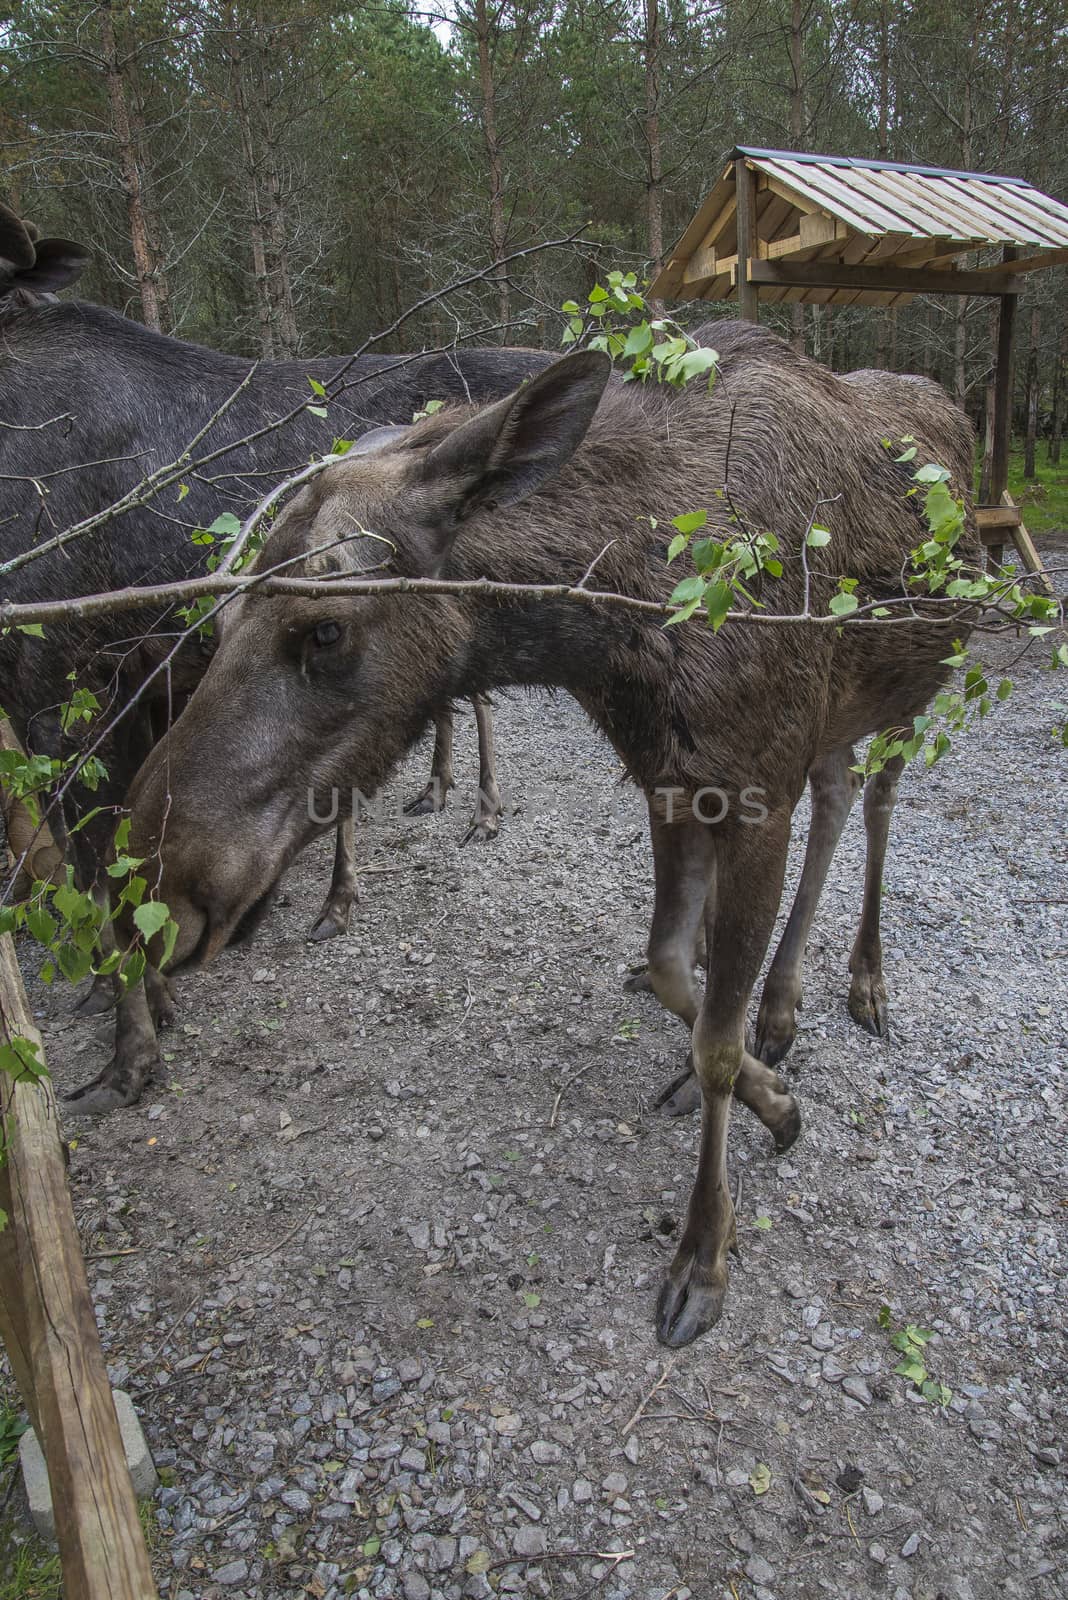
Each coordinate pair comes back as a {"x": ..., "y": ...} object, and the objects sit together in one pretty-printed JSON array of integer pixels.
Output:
[{"x": 50, "y": 1332}]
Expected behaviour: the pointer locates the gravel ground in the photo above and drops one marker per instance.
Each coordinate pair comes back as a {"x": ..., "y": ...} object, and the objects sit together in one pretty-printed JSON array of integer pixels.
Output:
[{"x": 377, "y": 1258}]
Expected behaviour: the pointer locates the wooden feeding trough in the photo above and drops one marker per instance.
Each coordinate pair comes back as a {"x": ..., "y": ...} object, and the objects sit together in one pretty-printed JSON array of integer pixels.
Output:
[{"x": 830, "y": 230}]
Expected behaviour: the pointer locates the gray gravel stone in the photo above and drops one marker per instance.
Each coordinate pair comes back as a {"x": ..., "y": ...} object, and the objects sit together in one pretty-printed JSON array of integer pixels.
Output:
[
  {"x": 529, "y": 1540},
  {"x": 232, "y": 1573},
  {"x": 759, "y": 1570}
]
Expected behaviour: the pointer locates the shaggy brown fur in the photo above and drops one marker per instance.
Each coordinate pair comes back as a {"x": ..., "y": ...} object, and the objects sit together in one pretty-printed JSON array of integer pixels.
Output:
[{"x": 289, "y": 708}]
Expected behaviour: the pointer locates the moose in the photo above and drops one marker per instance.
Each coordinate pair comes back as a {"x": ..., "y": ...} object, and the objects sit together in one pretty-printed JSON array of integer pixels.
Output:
[
  {"x": 311, "y": 692},
  {"x": 90, "y": 404}
]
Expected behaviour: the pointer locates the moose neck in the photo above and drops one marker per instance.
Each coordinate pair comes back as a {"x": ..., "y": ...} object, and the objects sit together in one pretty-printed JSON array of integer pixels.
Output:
[{"x": 618, "y": 664}]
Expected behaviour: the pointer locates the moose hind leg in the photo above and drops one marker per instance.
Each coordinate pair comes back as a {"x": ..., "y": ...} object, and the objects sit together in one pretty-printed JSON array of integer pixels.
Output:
[
  {"x": 333, "y": 919},
  {"x": 485, "y": 824},
  {"x": 745, "y": 888},
  {"x": 867, "y": 989},
  {"x": 834, "y": 787},
  {"x": 436, "y": 793},
  {"x": 682, "y": 861}
]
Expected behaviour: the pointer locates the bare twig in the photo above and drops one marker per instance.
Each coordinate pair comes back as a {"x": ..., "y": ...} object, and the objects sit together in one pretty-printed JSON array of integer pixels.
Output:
[
  {"x": 615, "y": 1557},
  {"x": 669, "y": 1367},
  {"x": 928, "y": 608},
  {"x": 588, "y": 574},
  {"x": 261, "y": 1255},
  {"x": 574, "y": 1078}
]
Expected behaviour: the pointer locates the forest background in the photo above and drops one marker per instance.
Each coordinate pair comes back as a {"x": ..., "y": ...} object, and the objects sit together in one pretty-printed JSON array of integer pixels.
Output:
[{"x": 286, "y": 178}]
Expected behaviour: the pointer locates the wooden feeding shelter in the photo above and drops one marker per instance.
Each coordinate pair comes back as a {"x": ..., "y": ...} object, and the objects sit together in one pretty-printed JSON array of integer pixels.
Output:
[{"x": 831, "y": 230}]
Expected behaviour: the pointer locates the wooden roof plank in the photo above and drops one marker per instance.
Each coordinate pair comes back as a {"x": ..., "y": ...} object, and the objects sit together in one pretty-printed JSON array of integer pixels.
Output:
[
  {"x": 1025, "y": 223},
  {"x": 1002, "y": 226},
  {"x": 1047, "y": 205},
  {"x": 803, "y": 157},
  {"x": 888, "y": 191},
  {"x": 1046, "y": 212},
  {"x": 941, "y": 215},
  {"x": 824, "y": 191}
]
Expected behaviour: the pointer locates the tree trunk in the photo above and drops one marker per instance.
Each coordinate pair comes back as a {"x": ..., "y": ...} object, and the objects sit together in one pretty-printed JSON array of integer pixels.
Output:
[
  {"x": 498, "y": 227},
  {"x": 882, "y": 331},
  {"x": 1056, "y": 427},
  {"x": 960, "y": 351},
  {"x": 987, "y": 468},
  {"x": 654, "y": 198},
  {"x": 797, "y": 134},
  {"x": 284, "y": 307},
  {"x": 127, "y": 129},
  {"x": 280, "y": 282},
  {"x": 1032, "y": 396},
  {"x": 260, "y": 277}
]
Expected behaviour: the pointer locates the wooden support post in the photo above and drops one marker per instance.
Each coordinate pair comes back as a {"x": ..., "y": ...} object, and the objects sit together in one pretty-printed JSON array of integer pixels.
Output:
[
  {"x": 745, "y": 212},
  {"x": 999, "y": 464},
  {"x": 54, "y": 1345}
]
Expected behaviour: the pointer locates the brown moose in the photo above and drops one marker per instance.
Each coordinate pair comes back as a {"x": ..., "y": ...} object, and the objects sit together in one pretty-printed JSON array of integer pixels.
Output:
[{"x": 305, "y": 694}]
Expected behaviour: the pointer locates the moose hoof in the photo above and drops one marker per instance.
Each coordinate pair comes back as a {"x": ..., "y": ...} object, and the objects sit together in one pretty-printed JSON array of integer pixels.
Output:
[
  {"x": 100, "y": 999},
  {"x": 329, "y": 924},
  {"x": 774, "y": 1037},
  {"x": 686, "y": 1308},
  {"x": 638, "y": 982},
  {"x": 481, "y": 831},
  {"x": 787, "y": 1131},
  {"x": 426, "y": 804},
  {"x": 111, "y": 1091},
  {"x": 868, "y": 1006},
  {"x": 682, "y": 1095}
]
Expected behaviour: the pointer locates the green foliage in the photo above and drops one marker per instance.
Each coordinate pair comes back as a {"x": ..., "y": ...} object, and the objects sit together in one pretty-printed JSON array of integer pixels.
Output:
[
  {"x": 936, "y": 568},
  {"x": 12, "y": 1426},
  {"x": 20, "y": 1059},
  {"x": 656, "y": 348},
  {"x": 727, "y": 569},
  {"x": 69, "y": 922},
  {"x": 1043, "y": 498},
  {"x": 911, "y": 1342}
]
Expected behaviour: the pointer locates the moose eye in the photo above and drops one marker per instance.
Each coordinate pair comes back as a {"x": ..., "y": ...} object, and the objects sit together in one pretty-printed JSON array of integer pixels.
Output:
[{"x": 327, "y": 633}]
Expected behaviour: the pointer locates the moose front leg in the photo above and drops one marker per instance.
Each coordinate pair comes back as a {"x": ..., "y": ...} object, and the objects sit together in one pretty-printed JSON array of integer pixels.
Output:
[
  {"x": 333, "y": 919},
  {"x": 745, "y": 886},
  {"x": 136, "y": 1054},
  {"x": 434, "y": 796},
  {"x": 867, "y": 990},
  {"x": 485, "y": 823},
  {"x": 834, "y": 787}
]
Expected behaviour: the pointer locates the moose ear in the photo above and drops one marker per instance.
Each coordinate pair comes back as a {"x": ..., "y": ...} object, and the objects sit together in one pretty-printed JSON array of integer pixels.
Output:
[
  {"x": 507, "y": 451},
  {"x": 16, "y": 245},
  {"x": 57, "y": 263}
]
